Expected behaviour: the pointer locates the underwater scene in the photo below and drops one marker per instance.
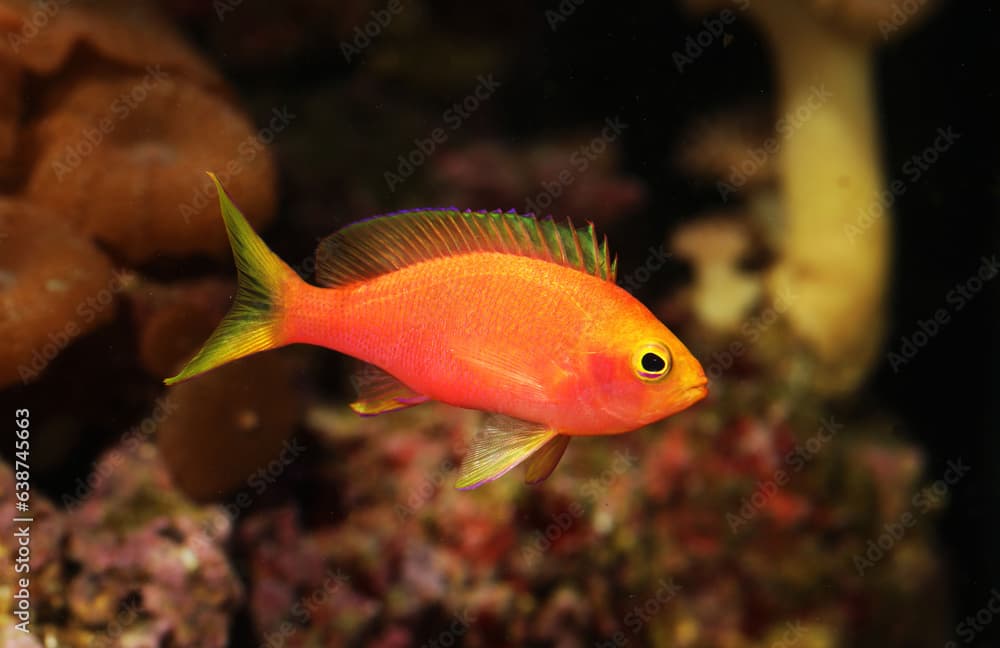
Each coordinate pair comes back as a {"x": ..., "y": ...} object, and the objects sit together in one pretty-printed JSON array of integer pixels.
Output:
[{"x": 426, "y": 323}]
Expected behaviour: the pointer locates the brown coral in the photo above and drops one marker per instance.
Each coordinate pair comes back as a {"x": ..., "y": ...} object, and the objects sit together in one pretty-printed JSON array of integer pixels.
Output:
[
  {"x": 122, "y": 156},
  {"x": 230, "y": 425},
  {"x": 174, "y": 320},
  {"x": 42, "y": 36},
  {"x": 54, "y": 287}
]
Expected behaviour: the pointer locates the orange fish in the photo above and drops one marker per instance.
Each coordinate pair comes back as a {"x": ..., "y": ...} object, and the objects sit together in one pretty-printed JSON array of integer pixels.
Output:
[{"x": 508, "y": 314}]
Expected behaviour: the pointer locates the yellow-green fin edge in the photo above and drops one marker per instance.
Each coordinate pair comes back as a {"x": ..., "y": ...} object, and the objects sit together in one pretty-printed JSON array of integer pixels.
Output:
[{"x": 387, "y": 243}]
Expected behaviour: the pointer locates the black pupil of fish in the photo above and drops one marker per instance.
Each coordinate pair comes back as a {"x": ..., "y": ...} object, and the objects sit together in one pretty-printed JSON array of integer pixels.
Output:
[{"x": 653, "y": 363}]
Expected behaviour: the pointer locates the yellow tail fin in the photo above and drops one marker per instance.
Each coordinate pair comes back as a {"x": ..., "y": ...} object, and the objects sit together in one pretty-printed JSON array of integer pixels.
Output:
[{"x": 253, "y": 323}]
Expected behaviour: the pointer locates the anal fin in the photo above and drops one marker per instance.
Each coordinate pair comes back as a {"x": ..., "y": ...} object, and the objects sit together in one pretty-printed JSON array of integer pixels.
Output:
[
  {"x": 380, "y": 392},
  {"x": 541, "y": 464},
  {"x": 502, "y": 444}
]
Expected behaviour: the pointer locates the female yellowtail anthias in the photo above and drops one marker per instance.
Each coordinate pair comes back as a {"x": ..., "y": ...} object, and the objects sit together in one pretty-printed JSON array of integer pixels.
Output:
[{"x": 509, "y": 314}]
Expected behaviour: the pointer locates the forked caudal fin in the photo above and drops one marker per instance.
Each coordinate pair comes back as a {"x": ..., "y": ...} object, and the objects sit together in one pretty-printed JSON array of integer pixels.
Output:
[{"x": 254, "y": 322}]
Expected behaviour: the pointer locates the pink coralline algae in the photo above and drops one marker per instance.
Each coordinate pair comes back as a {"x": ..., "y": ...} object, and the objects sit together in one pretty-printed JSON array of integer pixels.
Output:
[{"x": 128, "y": 564}]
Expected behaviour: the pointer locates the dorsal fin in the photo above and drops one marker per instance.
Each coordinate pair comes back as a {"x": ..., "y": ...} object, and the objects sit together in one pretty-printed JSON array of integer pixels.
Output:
[{"x": 387, "y": 243}]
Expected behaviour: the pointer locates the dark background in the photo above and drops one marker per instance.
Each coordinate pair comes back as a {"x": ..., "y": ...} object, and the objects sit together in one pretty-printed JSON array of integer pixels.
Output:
[{"x": 615, "y": 58}]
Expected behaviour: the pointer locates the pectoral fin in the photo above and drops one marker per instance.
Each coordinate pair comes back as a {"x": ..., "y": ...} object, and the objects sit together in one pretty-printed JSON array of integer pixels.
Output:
[
  {"x": 380, "y": 392},
  {"x": 506, "y": 371},
  {"x": 501, "y": 445},
  {"x": 541, "y": 464}
]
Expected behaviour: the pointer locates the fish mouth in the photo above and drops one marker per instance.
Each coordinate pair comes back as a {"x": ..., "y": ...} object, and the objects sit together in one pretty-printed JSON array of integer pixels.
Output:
[{"x": 695, "y": 393}]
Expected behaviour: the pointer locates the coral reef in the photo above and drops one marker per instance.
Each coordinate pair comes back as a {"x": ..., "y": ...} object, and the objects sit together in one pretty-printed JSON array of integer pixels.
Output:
[
  {"x": 55, "y": 287},
  {"x": 124, "y": 115},
  {"x": 125, "y": 561},
  {"x": 732, "y": 527}
]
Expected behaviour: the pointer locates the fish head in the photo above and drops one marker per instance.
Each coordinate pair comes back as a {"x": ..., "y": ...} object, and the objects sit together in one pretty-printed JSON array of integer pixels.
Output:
[{"x": 638, "y": 375}]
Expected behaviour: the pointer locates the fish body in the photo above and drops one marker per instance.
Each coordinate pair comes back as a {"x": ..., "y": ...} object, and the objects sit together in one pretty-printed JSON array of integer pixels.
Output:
[
  {"x": 498, "y": 333},
  {"x": 496, "y": 312}
]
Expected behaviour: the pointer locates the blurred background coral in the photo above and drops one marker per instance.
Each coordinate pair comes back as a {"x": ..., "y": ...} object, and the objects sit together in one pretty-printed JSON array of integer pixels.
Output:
[{"x": 806, "y": 192}]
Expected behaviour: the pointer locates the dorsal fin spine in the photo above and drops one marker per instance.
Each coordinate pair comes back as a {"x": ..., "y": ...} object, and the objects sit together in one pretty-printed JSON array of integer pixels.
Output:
[
  {"x": 454, "y": 245},
  {"x": 392, "y": 242},
  {"x": 509, "y": 231},
  {"x": 558, "y": 235}
]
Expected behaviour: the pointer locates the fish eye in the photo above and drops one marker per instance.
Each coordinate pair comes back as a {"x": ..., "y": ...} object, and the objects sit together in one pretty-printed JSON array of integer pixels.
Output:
[{"x": 651, "y": 362}]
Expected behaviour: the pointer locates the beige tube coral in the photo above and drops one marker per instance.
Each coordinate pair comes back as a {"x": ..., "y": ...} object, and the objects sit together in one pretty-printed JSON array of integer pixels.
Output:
[{"x": 832, "y": 270}]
